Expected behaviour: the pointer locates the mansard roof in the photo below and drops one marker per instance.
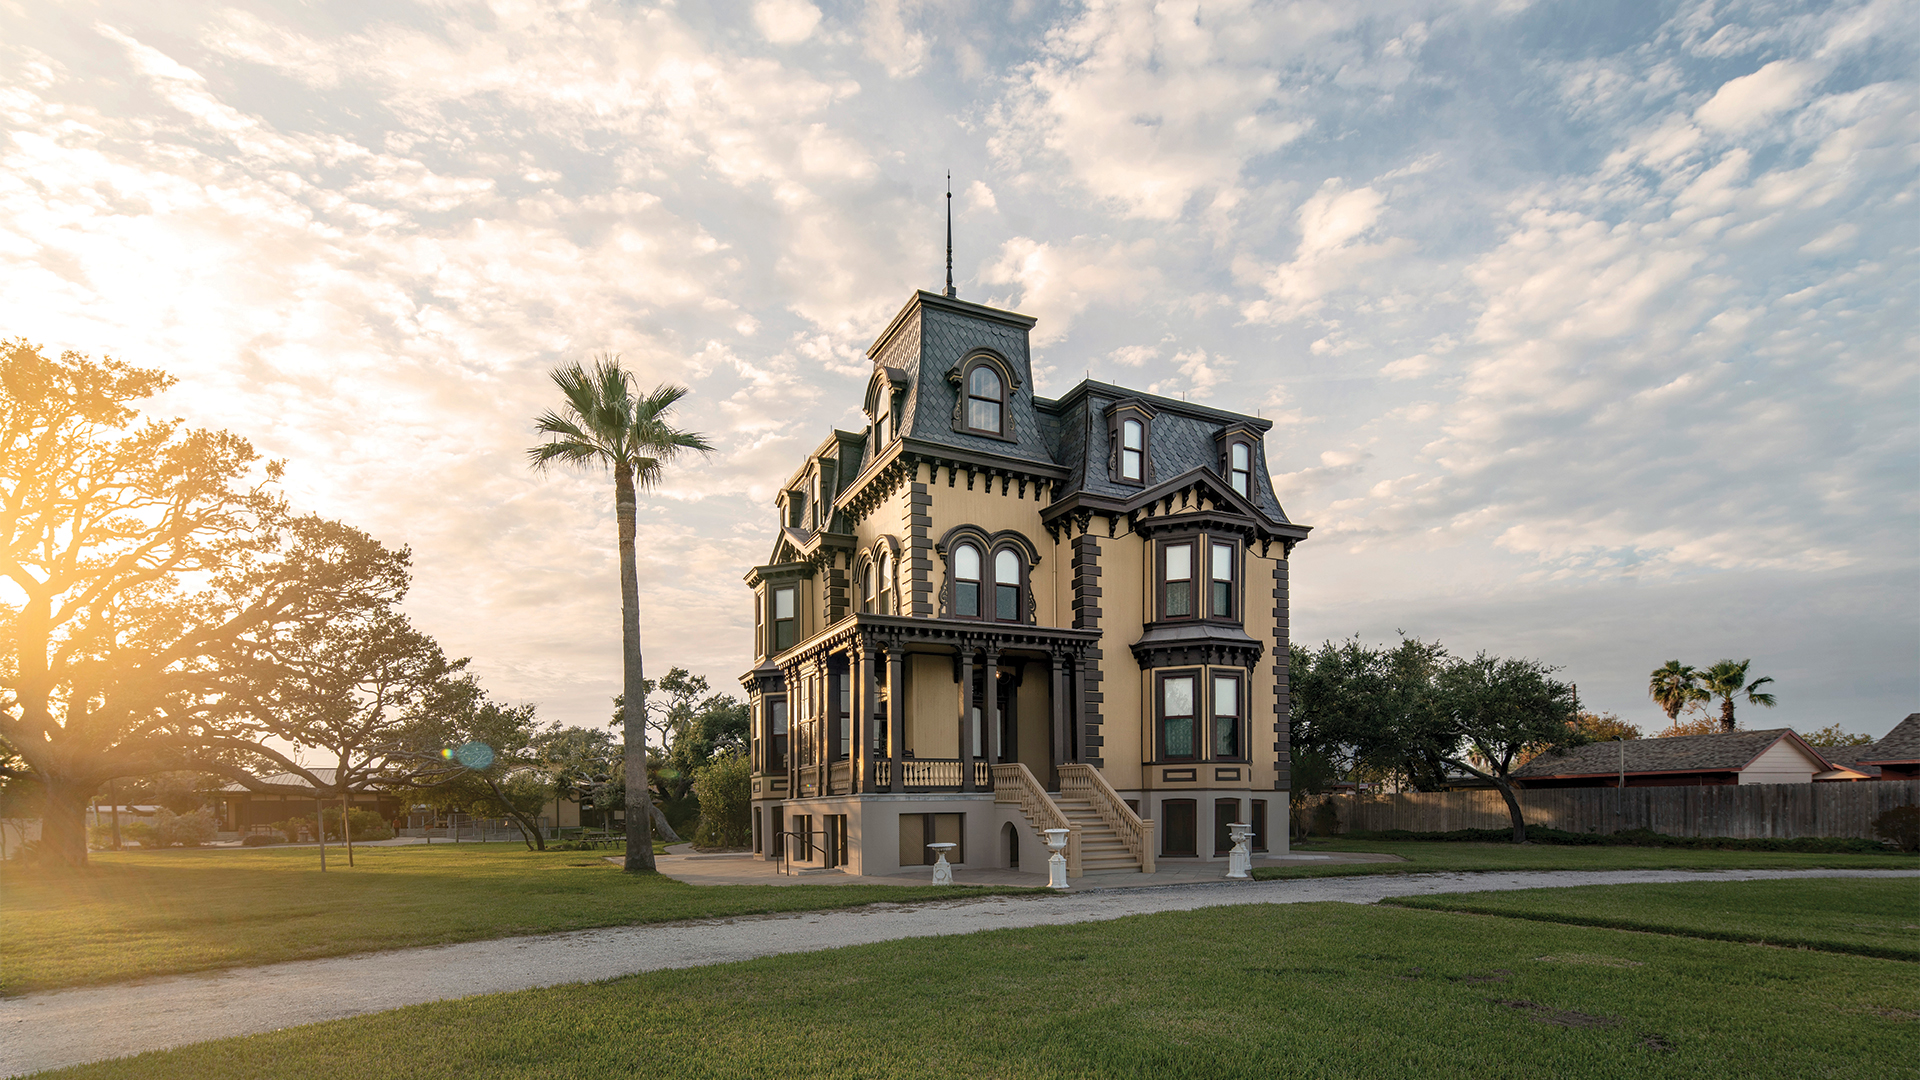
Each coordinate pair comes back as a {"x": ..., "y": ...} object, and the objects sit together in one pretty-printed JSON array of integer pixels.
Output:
[
  {"x": 922, "y": 351},
  {"x": 1183, "y": 437}
]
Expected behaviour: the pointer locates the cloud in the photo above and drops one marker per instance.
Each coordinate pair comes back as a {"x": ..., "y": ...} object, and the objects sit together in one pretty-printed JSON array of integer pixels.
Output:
[
  {"x": 1060, "y": 282},
  {"x": 1331, "y": 255},
  {"x": 1742, "y": 103},
  {"x": 785, "y": 22}
]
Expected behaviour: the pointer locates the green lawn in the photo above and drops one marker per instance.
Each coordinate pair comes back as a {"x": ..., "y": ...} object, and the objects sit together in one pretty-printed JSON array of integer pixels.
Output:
[
  {"x": 1317, "y": 990},
  {"x": 1456, "y": 857},
  {"x": 1871, "y": 918},
  {"x": 134, "y": 914}
]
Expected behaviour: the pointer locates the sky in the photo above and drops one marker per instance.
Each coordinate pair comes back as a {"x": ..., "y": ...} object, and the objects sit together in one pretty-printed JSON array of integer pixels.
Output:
[{"x": 1587, "y": 330}]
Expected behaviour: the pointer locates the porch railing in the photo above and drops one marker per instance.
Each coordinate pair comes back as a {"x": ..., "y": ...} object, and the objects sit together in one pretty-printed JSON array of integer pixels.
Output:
[
  {"x": 937, "y": 774},
  {"x": 1078, "y": 780},
  {"x": 1014, "y": 783}
]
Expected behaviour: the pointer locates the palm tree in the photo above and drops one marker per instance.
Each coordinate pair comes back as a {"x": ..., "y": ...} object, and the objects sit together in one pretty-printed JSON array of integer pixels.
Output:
[
  {"x": 1727, "y": 679},
  {"x": 1676, "y": 686},
  {"x": 604, "y": 424}
]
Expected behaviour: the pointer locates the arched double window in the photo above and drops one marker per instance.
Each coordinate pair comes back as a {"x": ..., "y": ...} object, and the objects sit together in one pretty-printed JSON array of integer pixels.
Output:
[
  {"x": 885, "y": 595},
  {"x": 866, "y": 588},
  {"x": 991, "y": 589}
]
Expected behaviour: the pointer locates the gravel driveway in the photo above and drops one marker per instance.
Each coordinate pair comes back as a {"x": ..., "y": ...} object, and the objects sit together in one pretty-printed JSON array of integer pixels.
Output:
[{"x": 67, "y": 1027}]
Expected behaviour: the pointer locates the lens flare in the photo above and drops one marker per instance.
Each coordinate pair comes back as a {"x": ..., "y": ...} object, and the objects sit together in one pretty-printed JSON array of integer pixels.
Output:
[{"x": 475, "y": 755}]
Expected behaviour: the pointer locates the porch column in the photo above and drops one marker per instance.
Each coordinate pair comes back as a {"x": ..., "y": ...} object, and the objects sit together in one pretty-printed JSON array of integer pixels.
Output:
[
  {"x": 896, "y": 717},
  {"x": 966, "y": 718},
  {"x": 1058, "y": 660},
  {"x": 869, "y": 697},
  {"x": 991, "y": 705}
]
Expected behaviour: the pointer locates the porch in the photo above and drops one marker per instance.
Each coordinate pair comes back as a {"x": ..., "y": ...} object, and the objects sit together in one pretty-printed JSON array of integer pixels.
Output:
[{"x": 881, "y": 704}]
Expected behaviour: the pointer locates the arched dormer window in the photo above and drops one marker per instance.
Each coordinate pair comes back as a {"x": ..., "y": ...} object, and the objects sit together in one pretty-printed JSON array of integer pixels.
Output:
[
  {"x": 1130, "y": 442},
  {"x": 966, "y": 581},
  {"x": 983, "y": 388},
  {"x": 1240, "y": 468},
  {"x": 986, "y": 400}
]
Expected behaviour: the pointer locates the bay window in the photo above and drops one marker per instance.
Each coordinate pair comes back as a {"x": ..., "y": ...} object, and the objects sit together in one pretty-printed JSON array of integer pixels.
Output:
[
  {"x": 1222, "y": 606},
  {"x": 1178, "y": 709},
  {"x": 1226, "y": 717},
  {"x": 785, "y": 620},
  {"x": 1176, "y": 576}
]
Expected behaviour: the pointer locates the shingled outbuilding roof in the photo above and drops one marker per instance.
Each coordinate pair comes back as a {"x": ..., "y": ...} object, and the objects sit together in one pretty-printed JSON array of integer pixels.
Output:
[
  {"x": 1725, "y": 752},
  {"x": 1901, "y": 745}
]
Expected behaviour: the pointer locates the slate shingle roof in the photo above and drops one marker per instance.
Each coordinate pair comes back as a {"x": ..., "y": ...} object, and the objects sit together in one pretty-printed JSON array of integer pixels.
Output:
[
  {"x": 1900, "y": 744},
  {"x": 1181, "y": 439},
  {"x": 1728, "y": 752},
  {"x": 933, "y": 334}
]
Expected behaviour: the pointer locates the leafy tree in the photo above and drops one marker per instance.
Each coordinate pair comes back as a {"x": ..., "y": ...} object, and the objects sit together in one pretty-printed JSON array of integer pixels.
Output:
[
  {"x": 355, "y": 686},
  {"x": 582, "y": 764},
  {"x": 1675, "y": 686},
  {"x": 724, "y": 788},
  {"x": 1834, "y": 735},
  {"x": 148, "y": 577},
  {"x": 1504, "y": 711},
  {"x": 604, "y": 424},
  {"x": 1603, "y": 727},
  {"x": 1727, "y": 680},
  {"x": 693, "y": 728},
  {"x": 180, "y": 792},
  {"x": 1693, "y": 725},
  {"x": 509, "y": 779}
]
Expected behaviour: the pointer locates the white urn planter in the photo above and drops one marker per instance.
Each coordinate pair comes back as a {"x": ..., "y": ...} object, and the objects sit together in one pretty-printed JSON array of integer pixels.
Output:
[
  {"x": 942, "y": 870},
  {"x": 1240, "y": 859},
  {"x": 1057, "y": 862}
]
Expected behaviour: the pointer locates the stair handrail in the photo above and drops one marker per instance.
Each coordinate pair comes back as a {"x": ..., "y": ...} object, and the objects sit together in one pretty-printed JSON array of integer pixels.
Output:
[
  {"x": 1013, "y": 782},
  {"x": 1083, "y": 780}
]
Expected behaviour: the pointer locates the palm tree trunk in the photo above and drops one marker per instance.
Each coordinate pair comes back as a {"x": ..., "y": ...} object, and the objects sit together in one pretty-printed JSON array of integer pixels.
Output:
[
  {"x": 1726, "y": 713},
  {"x": 634, "y": 715}
]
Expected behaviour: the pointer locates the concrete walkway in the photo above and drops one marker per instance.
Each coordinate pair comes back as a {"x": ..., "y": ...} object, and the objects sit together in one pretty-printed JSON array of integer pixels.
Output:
[{"x": 69, "y": 1027}]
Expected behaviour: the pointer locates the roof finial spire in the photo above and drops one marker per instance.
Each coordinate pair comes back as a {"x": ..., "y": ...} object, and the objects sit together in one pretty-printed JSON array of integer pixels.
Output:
[{"x": 951, "y": 294}]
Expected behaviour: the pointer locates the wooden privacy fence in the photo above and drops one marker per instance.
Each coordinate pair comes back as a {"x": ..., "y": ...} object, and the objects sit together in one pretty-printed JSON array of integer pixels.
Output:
[{"x": 1741, "y": 811}]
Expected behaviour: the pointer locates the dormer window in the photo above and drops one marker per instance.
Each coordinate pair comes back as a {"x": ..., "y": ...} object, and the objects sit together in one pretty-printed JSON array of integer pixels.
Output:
[
  {"x": 1129, "y": 442},
  {"x": 1133, "y": 450},
  {"x": 986, "y": 400},
  {"x": 1240, "y": 468}
]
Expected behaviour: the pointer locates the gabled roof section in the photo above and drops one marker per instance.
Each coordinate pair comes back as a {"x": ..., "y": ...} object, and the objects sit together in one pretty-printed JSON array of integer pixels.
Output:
[
  {"x": 1184, "y": 437},
  {"x": 1901, "y": 745},
  {"x": 1725, "y": 752}
]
